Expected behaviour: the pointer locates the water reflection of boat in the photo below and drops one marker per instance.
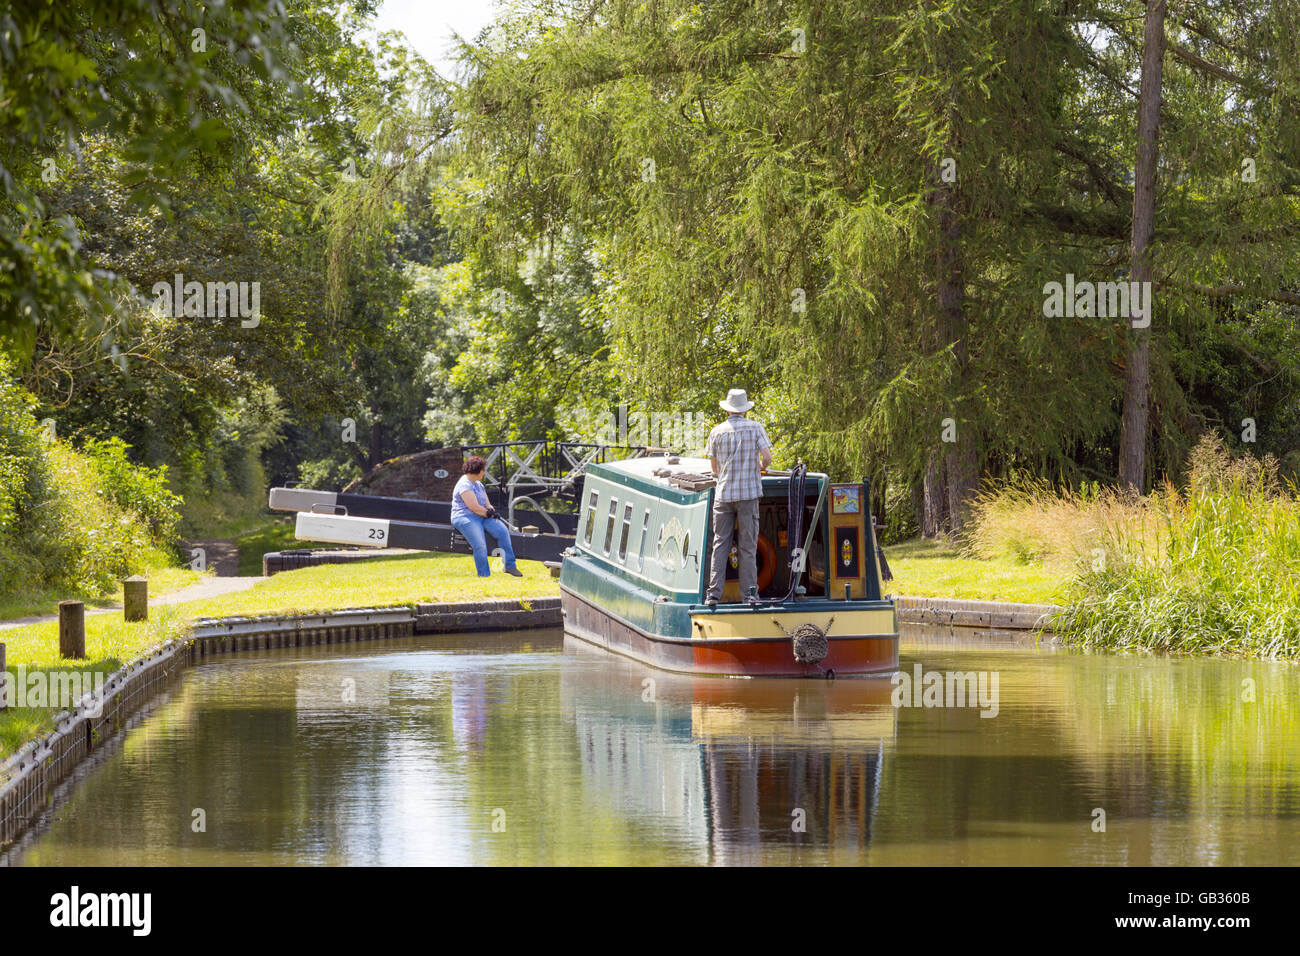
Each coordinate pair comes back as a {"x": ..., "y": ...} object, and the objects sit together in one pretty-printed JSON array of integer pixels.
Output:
[{"x": 742, "y": 766}]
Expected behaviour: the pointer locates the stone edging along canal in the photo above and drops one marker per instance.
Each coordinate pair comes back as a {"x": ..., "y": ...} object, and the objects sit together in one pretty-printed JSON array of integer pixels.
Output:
[
  {"x": 29, "y": 777},
  {"x": 952, "y": 612}
]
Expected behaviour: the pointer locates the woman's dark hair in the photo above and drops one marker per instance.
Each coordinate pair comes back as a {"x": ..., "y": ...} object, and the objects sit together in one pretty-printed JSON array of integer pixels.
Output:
[{"x": 474, "y": 465}]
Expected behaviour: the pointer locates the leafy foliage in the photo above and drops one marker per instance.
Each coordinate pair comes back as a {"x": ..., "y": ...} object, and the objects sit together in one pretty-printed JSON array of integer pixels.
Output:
[
  {"x": 72, "y": 521},
  {"x": 164, "y": 78},
  {"x": 736, "y": 163},
  {"x": 140, "y": 492}
]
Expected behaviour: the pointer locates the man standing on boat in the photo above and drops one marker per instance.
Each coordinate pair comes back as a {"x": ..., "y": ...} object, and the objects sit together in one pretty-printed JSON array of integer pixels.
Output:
[{"x": 738, "y": 451}]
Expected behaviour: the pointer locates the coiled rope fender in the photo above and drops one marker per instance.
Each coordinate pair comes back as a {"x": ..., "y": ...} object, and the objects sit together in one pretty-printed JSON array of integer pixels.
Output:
[{"x": 808, "y": 641}]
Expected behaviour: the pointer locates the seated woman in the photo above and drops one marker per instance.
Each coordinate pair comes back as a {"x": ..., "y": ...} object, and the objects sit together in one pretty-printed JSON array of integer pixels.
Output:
[{"x": 471, "y": 515}]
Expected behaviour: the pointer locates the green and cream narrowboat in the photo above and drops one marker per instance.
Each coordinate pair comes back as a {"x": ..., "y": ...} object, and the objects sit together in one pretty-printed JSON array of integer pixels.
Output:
[{"x": 635, "y": 578}]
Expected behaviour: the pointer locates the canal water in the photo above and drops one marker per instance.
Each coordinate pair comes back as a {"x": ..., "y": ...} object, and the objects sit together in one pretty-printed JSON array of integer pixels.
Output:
[{"x": 532, "y": 748}]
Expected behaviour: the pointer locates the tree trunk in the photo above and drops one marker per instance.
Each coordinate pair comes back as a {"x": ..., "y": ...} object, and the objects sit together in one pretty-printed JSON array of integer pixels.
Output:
[
  {"x": 881, "y": 489},
  {"x": 952, "y": 471},
  {"x": 963, "y": 478},
  {"x": 376, "y": 443},
  {"x": 934, "y": 498},
  {"x": 918, "y": 504},
  {"x": 1137, "y": 370},
  {"x": 960, "y": 460}
]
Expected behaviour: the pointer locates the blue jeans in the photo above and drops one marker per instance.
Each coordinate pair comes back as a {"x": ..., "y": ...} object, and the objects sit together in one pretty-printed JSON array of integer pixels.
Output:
[{"x": 472, "y": 528}]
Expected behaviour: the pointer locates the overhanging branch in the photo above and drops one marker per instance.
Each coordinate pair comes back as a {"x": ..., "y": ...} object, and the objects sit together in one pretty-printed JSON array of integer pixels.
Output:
[{"x": 1230, "y": 289}]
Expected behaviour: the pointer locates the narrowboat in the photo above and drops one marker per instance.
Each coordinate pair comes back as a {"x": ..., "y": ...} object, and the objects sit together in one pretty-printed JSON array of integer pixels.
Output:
[{"x": 634, "y": 580}]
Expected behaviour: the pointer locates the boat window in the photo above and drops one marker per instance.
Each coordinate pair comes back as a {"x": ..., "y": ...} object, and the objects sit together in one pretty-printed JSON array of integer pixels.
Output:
[
  {"x": 591, "y": 514},
  {"x": 627, "y": 530},
  {"x": 686, "y": 547},
  {"x": 609, "y": 527},
  {"x": 645, "y": 532}
]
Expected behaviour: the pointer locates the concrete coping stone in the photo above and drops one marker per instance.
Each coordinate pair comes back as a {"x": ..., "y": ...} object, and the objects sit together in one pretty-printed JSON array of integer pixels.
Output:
[
  {"x": 490, "y": 605},
  {"x": 212, "y": 627},
  {"x": 962, "y": 604}
]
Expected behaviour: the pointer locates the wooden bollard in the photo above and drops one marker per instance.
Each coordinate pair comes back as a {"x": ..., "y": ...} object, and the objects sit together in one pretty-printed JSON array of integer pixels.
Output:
[
  {"x": 4, "y": 680},
  {"x": 72, "y": 629},
  {"x": 135, "y": 598}
]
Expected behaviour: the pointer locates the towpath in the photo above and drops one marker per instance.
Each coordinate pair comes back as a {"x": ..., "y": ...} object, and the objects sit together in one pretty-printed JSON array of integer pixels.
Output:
[{"x": 208, "y": 587}]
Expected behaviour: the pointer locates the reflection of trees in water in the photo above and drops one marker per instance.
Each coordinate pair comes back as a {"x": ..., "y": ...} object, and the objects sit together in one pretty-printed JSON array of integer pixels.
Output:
[
  {"x": 284, "y": 765},
  {"x": 1182, "y": 734},
  {"x": 592, "y": 767},
  {"x": 1185, "y": 770},
  {"x": 232, "y": 744},
  {"x": 294, "y": 749}
]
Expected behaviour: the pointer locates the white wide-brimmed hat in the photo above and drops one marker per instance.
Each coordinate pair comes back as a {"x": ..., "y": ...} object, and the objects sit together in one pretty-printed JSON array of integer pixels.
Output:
[{"x": 736, "y": 401}]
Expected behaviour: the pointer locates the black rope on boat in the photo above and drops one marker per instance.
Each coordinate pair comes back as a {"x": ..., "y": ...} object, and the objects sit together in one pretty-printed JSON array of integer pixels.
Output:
[{"x": 794, "y": 526}]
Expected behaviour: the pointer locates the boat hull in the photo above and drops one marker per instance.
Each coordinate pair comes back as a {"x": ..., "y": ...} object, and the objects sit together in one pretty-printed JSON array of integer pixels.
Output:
[{"x": 743, "y": 642}]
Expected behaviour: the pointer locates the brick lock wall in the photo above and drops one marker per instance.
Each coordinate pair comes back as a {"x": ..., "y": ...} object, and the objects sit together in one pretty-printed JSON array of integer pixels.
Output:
[{"x": 413, "y": 476}]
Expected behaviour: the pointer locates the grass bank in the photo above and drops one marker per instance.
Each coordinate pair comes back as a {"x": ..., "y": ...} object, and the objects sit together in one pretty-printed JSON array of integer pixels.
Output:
[
  {"x": 110, "y": 644},
  {"x": 924, "y": 568},
  {"x": 383, "y": 582},
  {"x": 75, "y": 518},
  {"x": 1209, "y": 568},
  {"x": 401, "y": 581}
]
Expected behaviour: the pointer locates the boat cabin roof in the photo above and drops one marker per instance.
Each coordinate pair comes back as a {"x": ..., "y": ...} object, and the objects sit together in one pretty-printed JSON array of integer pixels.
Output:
[
  {"x": 646, "y": 467},
  {"x": 640, "y": 473},
  {"x": 638, "y": 526}
]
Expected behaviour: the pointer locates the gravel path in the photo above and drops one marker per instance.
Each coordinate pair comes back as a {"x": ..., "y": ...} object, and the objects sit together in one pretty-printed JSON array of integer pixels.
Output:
[
  {"x": 208, "y": 587},
  {"x": 221, "y": 555}
]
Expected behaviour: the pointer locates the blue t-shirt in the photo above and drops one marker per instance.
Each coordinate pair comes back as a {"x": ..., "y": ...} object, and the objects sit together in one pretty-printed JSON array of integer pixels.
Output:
[{"x": 458, "y": 509}]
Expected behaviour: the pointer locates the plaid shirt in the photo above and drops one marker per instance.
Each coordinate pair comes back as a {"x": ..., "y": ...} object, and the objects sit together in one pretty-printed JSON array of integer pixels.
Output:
[{"x": 736, "y": 444}]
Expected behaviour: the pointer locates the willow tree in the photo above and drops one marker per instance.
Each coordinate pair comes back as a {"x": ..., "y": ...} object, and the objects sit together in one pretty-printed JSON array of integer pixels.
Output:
[
  {"x": 855, "y": 211},
  {"x": 826, "y": 203}
]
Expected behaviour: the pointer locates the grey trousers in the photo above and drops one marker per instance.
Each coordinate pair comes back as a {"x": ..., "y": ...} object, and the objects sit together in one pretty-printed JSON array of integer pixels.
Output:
[{"x": 728, "y": 517}]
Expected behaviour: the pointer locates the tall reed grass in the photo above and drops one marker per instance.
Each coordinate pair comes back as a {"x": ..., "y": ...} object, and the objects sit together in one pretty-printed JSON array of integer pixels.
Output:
[{"x": 1211, "y": 568}]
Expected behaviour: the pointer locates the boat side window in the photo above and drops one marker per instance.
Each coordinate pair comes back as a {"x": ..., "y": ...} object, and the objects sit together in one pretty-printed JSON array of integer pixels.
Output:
[
  {"x": 645, "y": 533},
  {"x": 627, "y": 530},
  {"x": 591, "y": 514},
  {"x": 609, "y": 527}
]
